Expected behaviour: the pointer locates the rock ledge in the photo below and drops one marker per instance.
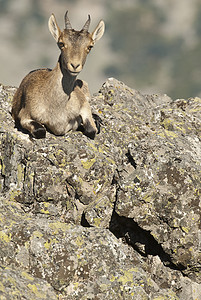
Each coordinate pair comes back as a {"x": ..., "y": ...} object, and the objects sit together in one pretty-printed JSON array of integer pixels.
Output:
[{"x": 117, "y": 217}]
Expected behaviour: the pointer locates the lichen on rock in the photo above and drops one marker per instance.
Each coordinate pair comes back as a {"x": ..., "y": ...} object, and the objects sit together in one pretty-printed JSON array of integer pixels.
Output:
[{"x": 117, "y": 217}]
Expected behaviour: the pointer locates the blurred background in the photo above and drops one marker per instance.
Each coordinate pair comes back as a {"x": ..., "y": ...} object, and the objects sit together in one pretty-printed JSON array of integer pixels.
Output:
[{"x": 151, "y": 45}]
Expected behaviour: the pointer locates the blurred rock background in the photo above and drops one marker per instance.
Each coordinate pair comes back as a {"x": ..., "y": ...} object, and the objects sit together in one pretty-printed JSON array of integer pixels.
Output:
[{"x": 151, "y": 45}]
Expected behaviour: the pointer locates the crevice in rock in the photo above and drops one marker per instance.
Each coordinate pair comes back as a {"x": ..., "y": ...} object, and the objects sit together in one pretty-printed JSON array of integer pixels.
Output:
[
  {"x": 34, "y": 184},
  {"x": 2, "y": 177},
  {"x": 131, "y": 159},
  {"x": 84, "y": 221},
  {"x": 70, "y": 189},
  {"x": 140, "y": 239}
]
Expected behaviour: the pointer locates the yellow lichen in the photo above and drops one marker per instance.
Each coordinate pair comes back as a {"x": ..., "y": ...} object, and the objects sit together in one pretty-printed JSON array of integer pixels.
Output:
[
  {"x": 37, "y": 234},
  {"x": 11, "y": 280},
  {"x": 76, "y": 285},
  {"x": 147, "y": 198},
  {"x": 167, "y": 123},
  {"x": 27, "y": 276},
  {"x": 197, "y": 99},
  {"x": 170, "y": 134},
  {"x": 93, "y": 147},
  {"x": 79, "y": 241},
  {"x": 59, "y": 226},
  {"x": 110, "y": 160},
  {"x": 44, "y": 211},
  {"x": 87, "y": 164},
  {"x": 97, "y": 221},
  {"x": 185, "y": 229},
  {"x": 49, "y": 242},
  {"x": 34, "y": 289},
  {"x": 170, "y": 296},
  {"x": 127, "y": 277},
  {"x": 5, "y": 237},
  {"x": 2, "y": 288},
  {"x": 20, "y": 173}
]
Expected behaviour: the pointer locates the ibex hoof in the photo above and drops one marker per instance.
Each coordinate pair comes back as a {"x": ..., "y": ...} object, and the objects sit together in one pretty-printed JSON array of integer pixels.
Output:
[
  {"x": 91, "y": 134},
  {"x": 39, "y": 131},
  {"x": 98, "y": 122},
  {"x": 89, "y": 130}
]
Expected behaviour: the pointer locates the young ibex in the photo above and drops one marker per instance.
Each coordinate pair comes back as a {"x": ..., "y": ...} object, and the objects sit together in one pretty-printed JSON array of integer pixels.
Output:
[{"x": 55, "y": 99}]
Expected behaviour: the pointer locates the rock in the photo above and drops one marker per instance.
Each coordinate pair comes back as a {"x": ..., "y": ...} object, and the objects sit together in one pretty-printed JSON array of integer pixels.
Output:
[
  {"x": 21, "y": 285},
  {"x": 76, "y": 261},
  {"x": 117, "y": 217}
]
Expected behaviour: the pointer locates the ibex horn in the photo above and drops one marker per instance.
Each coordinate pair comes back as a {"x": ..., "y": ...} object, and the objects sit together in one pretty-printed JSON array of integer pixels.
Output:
[
  {"x": 86, "y": 25},
  {"x": 67, "y": 21}
]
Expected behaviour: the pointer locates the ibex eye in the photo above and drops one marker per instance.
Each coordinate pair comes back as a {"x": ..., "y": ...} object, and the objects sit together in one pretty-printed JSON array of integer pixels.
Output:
[
  {"x": 61, "y": 45},
  {"x": 89, "y": 48}
]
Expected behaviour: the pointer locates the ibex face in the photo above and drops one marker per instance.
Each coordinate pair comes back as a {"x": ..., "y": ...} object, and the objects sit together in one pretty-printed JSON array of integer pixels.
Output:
[{"x": 74, "y": 45}]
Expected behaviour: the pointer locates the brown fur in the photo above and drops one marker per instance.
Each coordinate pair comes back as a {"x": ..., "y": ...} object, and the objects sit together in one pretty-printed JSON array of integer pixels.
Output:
[{"x": 55, "y": 98}]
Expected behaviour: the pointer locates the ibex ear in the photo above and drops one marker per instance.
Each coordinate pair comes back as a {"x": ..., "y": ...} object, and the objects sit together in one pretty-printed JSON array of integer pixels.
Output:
[
  {"x": 54, "y": 28},
  {"x": 98, "y": 32}
]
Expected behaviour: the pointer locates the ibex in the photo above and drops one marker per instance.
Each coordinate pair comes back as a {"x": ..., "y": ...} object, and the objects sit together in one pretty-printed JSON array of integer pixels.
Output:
[{"x": 55, "y": 99}]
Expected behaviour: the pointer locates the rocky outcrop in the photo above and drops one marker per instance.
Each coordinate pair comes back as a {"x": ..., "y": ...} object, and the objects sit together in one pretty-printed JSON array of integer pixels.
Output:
[{"x": 117, "y": 217}]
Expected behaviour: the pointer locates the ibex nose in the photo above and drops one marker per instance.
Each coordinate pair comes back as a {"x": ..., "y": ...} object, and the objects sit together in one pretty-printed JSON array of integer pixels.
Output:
[{"x": 74, "y": 66}]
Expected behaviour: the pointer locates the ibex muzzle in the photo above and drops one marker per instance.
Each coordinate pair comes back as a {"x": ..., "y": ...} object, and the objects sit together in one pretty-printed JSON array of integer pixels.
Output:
[{"x": 55, "y": 99}]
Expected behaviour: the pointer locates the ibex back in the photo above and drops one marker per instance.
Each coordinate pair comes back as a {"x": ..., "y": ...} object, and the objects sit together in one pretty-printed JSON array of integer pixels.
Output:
[{"x": 55, "y": 99}]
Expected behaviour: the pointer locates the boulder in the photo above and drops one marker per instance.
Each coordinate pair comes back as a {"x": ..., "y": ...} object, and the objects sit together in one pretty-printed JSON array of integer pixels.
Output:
[{"x": 117, "y": 217}]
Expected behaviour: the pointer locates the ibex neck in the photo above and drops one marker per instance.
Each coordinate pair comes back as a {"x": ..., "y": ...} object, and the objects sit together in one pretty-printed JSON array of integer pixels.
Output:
[{"x": 68, "y": 81}]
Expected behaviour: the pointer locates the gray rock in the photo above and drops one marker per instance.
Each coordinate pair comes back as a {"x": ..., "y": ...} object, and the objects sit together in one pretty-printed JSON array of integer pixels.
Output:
[
  {"x": 21, "y": 285},
  {"x": 117, "y": 217}
]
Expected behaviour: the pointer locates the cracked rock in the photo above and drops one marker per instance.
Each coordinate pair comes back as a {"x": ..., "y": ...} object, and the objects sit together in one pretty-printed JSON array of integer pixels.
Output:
[{"x": 117, "y": 217}]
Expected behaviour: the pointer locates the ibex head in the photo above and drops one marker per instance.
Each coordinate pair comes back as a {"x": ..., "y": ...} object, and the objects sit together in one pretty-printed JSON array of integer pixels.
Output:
[{"x": 74, "y": 45}]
